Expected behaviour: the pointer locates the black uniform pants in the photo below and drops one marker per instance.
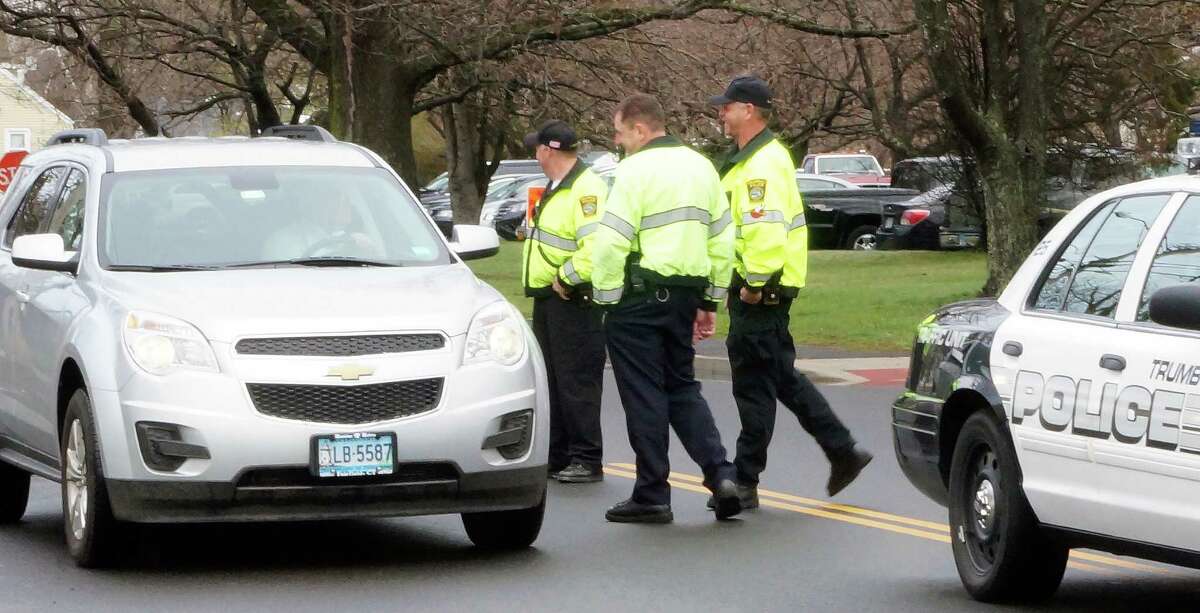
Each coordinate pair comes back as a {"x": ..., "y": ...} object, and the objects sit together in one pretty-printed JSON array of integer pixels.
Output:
[
  {"x": 650, "y": 346},
  {"x": 762, "y": 357},
  {"x": 572, "y": 340}
]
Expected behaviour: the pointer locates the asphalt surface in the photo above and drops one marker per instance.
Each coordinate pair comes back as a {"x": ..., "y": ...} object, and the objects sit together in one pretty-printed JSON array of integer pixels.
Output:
[{"x": 886, "y": 551}]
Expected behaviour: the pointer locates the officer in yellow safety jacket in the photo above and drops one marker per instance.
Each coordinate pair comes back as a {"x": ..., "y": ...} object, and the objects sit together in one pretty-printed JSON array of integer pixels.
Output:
[
  {"x": 557, "y": 275},
  {"x": 771, "y": 261},
  {"x": 661, "y": 261}
]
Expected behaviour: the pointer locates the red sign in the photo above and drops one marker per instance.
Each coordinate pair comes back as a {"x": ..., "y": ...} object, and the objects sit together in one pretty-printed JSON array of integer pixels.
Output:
[{"x": 8, "y": 167}]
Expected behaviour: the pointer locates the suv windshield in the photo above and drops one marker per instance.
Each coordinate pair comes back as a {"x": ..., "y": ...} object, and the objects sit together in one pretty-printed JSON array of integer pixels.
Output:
[
  {"x": 863, "y": 164},
  {"x": 246, "y": 216}
]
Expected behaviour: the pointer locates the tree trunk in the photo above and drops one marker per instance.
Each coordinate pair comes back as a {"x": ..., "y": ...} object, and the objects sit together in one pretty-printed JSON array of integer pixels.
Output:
[
  {"x": 1013, "y": 200},
  {"x": 465, "y": 154},
  {"x": 371, "y": 97}
]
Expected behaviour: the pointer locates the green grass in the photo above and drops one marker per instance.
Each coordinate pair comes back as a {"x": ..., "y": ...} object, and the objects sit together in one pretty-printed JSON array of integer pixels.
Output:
[{"x": 854, "y": 300}]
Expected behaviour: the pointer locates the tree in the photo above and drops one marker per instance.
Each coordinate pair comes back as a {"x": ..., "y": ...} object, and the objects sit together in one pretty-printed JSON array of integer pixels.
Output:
[{"x": 216, "y": 51}]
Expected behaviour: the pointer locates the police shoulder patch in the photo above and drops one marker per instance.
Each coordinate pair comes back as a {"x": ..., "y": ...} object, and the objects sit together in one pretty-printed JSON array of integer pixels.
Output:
[
  {"x": 588, "y": 204},
  {"x": 756, "y": 189}
]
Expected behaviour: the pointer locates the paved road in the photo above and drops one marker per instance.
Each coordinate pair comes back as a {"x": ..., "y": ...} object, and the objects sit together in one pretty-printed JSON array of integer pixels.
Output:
[{"x": 886, "y": 552}]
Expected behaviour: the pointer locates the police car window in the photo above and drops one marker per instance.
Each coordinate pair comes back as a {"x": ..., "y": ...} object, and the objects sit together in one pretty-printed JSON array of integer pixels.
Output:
[
  {"x": 1054, "y": 288},
  {"x": 1178, "y": 257},
  {"x": 35, "y": 207},
  {"x": 67, "y": 219},
  {"x": 1096, "y": 286}
]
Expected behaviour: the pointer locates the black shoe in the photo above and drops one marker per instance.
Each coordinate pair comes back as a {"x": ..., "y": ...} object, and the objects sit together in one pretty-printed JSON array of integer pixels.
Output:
[
  {"x": 747, "y": 493},
  {"x": 845, "y": 466},
  {"x": 578, "y": 473},
  {"x": 630, "y": 512},
  {"x": 728, "y": 503}
]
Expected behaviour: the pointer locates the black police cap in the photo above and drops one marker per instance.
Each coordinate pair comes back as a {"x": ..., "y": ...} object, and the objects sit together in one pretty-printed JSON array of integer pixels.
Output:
[
  {"x": 554, "y": 134},
  {"x": 748, "y": 89}
]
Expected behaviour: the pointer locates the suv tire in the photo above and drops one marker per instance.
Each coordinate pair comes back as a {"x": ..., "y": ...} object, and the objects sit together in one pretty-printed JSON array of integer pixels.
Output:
[
  {"x": 505, "y": 530},
  {"x": 14, "y": 493},
  {"x": 91, "y": 531},
  {"x": 1001, "y": 553}
]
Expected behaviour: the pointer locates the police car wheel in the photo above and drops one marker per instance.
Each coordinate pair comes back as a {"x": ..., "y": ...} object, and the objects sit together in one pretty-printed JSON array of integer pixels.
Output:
[
  {"x": 1000, "y": 552},
  {"x": 14, "y": 493},
  {"x": 505, "y": 530}
]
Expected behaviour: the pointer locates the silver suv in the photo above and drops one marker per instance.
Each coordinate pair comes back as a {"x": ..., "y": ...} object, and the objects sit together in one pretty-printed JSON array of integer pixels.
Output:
[{"x": 242, "y": 329}]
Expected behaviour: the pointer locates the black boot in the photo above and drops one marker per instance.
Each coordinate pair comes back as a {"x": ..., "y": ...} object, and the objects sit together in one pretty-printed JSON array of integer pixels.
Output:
[
  {"x": 728, "y": 503},
  {"x": 747, "y": 493},
  {"x": 844, "y": 466},
  {"x": 630, "y": 512},
  {"x": 579, "y": 473}
]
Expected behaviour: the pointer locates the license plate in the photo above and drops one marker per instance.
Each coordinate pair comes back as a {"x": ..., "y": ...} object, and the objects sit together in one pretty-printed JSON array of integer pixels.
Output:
[
  {"x": 359, "y": 454},
  {"x": 888, "y": 222}
]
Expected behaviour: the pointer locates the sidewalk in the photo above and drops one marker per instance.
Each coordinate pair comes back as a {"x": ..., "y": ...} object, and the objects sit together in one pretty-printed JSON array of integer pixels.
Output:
[{"x": 823, "y": 365}]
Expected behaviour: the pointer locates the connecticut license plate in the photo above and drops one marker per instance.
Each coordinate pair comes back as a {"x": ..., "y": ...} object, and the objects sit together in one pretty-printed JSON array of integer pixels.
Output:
[{"x": 359, "y": 454}]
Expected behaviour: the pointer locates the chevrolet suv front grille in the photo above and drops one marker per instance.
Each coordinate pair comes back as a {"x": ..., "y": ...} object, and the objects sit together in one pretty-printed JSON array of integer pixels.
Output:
[{"x": 346, "y": 404}]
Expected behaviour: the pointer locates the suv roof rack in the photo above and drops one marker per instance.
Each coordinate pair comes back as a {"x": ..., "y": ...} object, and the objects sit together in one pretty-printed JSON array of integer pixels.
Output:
[
  {"x": 86, "y": 136},
  {"x": 296, "y": 132}
]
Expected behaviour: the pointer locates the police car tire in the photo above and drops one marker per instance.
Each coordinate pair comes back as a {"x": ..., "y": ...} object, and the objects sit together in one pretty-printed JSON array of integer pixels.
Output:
[
  {"x": 505, "y": 530},
  {"x": 14, "y": 493},
  {"x": 1025, "y": 565},
  {"x": 99, "y": 541}
]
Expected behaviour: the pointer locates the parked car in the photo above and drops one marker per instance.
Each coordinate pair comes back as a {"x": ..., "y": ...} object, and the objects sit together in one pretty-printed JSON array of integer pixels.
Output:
[
  {"x": 508, "y": 197},
  {"x": 255, "y": 329},
  {"x": 842, "y": 215},
  {"x": 439, "y": 187},
  {"x": 858, "y": 168},
  {"x": 1064, "y": 414},
  {"x": 950, "y": 214}
]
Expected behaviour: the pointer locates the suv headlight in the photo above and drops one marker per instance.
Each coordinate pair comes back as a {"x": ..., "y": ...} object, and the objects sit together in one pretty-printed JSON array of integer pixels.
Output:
[
  {"x": 161, "y": 345},
  {"x": 495, "y": 335}
]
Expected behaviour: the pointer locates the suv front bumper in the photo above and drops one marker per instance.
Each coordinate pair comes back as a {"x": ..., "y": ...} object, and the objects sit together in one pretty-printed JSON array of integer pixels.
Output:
[{"x": 244, "y": 500}]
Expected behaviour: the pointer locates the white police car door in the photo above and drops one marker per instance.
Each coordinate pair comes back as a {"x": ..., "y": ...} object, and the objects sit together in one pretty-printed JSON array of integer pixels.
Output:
[
  {"x": 1046, "y": 362},
  {"x": 1150, "y": 467}
]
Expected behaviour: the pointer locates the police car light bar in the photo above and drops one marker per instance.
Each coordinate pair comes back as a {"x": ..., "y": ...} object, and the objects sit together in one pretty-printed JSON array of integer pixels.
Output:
[
  {"x": 86, "y": 136},
  {"x": 313, "y": 133}
]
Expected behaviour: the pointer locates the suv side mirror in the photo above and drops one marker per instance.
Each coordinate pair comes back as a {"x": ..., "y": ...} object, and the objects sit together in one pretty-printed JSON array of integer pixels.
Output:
[
  {"x": 474, "y": 242},
  {"x": 44, "y": 252},
  {"x": 1177, "y": 306}
]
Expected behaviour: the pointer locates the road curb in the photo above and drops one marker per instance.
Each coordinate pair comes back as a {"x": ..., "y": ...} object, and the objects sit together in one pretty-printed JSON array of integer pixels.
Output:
[{"x": 831, "y": 371}]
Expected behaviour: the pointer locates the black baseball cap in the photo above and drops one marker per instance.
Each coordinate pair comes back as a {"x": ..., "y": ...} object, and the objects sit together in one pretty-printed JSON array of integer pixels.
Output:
[
  {"x": 748, "y": 89},
  {"x": 554, "y": 134}
]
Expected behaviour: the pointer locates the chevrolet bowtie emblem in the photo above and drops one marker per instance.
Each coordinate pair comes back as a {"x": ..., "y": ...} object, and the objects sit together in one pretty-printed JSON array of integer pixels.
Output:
[{"x": 350, "y": 372}]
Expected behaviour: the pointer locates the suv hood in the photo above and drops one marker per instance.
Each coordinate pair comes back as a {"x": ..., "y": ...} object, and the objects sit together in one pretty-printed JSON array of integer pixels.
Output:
[{"x": 229, "y": 304}]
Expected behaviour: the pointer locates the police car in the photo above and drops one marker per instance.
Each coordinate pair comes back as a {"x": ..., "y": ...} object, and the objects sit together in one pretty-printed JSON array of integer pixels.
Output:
[{"x": 1066, "y": 413}]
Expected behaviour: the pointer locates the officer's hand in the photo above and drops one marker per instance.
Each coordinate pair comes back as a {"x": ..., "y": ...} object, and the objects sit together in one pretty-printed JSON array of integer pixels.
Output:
[
  {"x": 706, "y": 325},
  {"x": 750, "y": 296},
  {"x": 562, "y": 292}
]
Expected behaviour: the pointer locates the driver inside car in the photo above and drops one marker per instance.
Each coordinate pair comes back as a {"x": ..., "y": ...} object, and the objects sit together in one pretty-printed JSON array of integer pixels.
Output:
[{"x": 324, "y": 225}]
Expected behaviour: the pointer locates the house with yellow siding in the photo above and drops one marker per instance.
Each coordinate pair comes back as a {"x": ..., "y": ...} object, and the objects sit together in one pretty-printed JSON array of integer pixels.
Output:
[{"x": 27, "y": 120}]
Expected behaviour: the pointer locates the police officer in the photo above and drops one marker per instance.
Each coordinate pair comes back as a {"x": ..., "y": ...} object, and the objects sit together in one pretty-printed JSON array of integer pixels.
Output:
[
  {"x": 661, "y": 259},
  {"x": 769, "y": 269},
  {"x": 557, "y": 275}
]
